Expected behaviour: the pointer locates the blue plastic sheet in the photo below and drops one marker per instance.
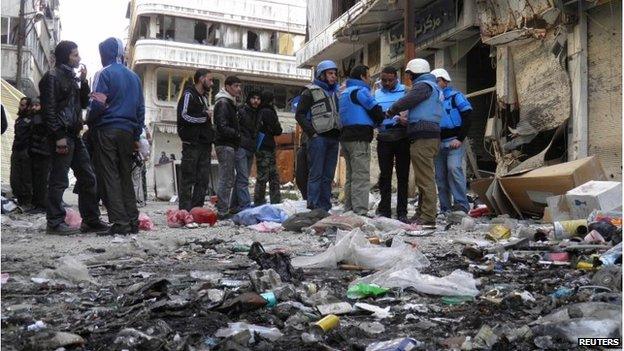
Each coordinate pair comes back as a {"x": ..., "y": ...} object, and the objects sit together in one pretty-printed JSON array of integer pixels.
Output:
[{"x": 264, "y": 213}]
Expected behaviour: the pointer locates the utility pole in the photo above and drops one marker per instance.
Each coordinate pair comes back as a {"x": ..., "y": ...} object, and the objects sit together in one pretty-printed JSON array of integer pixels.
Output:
[
  {"x": 20, "y": 45},
  {"x": 408, "y": 32}
]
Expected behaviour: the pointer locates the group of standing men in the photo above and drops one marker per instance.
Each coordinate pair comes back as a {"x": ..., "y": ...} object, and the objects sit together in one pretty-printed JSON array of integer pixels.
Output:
[
  {"x": 426, "y": 125},
  {"x": 239, "y": 133},
  {"x": 101, "y": 160}
]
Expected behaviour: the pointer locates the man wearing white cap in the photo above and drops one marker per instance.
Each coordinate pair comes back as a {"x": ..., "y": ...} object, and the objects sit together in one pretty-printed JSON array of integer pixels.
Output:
[
  {"x": 454, "y": 126},
  {"x": 424, "y": 102}
]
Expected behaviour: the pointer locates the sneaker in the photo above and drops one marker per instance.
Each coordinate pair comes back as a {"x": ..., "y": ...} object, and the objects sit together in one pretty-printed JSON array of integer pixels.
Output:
[
  {"x": 425, "y": 224},
  {"x": 62, "y": 229},
  {"x": 94, "y": 227},
  {"x": 117, "y": 229}
]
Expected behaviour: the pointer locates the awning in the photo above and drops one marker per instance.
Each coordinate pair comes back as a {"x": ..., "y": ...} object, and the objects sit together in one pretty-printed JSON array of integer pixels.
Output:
[{"x": 360, "y": 25}]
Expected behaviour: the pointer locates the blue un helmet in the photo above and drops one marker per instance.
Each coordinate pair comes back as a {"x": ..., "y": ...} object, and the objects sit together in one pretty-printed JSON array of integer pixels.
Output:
[{"x": 324, "y": 66}]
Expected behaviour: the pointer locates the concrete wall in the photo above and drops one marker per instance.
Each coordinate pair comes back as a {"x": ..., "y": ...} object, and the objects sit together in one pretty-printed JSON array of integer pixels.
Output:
[{"x": 604, "y": 65}]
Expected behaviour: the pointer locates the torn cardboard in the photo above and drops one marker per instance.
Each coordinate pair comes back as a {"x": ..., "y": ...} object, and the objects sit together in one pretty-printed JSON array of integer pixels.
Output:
[
  {"x": 594, "y": 195},
  {"x": 528, "y": 191}
]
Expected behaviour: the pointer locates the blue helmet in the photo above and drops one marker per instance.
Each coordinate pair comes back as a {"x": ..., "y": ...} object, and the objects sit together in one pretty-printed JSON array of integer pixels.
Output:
[{"x": 324, "y": 66}]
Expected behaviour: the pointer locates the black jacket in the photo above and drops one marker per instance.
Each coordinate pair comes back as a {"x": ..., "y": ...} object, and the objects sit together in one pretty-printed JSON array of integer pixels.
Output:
[
  {"x": 39, "y": 142},
  {"x": 23, "y": 132},
  {"x": 248, "y": 122},
  {"x": 270, "y": 126},
  {"x": 62, "y": 101},
  {"x": 226, "y": 123},
  {"x": 194, "y": 124}
]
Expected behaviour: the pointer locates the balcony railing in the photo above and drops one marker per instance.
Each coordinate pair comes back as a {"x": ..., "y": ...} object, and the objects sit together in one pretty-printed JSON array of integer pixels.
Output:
[{"x": 253, "y": 63}]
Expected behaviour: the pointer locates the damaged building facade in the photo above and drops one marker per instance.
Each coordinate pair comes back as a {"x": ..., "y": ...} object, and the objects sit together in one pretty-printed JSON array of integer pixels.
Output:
[
  {"x": 543, "y": 76},
  {"x": 255, "y": 40}
]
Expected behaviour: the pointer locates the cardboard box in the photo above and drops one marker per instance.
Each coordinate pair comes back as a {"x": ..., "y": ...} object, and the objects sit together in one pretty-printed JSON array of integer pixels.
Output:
[
  {"x": 594, "y": 195},
  {"x": 527, "y": 191}
]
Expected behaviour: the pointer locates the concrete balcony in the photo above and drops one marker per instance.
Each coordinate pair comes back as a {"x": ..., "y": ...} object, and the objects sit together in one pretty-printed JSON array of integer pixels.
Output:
[
  {"x": 191, "y": 56},
  {"x": 280, "y": 15},
  {"x": 31, "y": 74}
]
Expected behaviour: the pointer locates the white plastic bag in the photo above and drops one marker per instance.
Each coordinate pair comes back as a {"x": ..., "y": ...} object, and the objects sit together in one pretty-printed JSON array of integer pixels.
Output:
[
  {"x": 404, "y": 275},
  {"x": 235, "y": 328},
  {"x": 353, "y": 247}
]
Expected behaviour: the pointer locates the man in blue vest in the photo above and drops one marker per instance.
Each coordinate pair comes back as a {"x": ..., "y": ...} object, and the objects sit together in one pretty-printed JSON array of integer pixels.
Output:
[
  {"x": 317, "y": 114},
  {"x": 393, "y": 148},
  {"x": 424, "y": 102},
  {"x": 454, "y": 126},
  {"x": 359, "y": 114}
]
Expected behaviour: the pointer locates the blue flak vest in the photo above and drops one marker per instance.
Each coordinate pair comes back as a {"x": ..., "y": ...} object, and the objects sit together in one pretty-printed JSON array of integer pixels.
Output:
[
  {"x": 454, "y": 104},
  {"x": 352, "y": 114},
  {"x": 430, "y": 110},
  {"x": 386, "y": 98}
]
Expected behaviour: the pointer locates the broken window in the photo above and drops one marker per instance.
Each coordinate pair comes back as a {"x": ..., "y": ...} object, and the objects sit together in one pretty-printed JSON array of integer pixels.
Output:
[
  {"x": 166, "y": 27},
  {"x": 144, "y": 22},
  {"x": 5, "y": 30},
  {"x": 184, "y": 30},
  {"x": 169, "y": 85},
  {"x": 201, "y": 32},
  {"x": 253, "y": 41},
  {"x": 231, "y": 36}
]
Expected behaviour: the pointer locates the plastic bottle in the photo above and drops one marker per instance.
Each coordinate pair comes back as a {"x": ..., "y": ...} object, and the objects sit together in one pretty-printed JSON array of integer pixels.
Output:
[{"x": 610, "y": 257}]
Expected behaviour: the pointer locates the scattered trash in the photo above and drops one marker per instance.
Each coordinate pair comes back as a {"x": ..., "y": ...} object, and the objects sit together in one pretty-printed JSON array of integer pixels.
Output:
[
  {"x": 296, "y": 222},
  {"x": 203, "y": 215},
  {"x": 255, "y": 215},
  {"x": 266, "y": 227},
  {"x": 347, "y": 221},
  {"x": 498, "y": 232},
  {"x": 278, "y": 261},
  {"x": 72, "y": 218},
  {"x": 378, "y": 312},
  {"x": 372, "y": 328},
  {"x": 234, "y": 328},
  {"x": 69, "y": 269},
  {"x": 337, "y": 308},
  {"x": 145, "y": 223},
  {"x": 456, "y": 300},
  {"x": 327, "y": 323},
  {"x": 360, "y": 291},
  {"x": 612, "y": 256},
  {"x": 244, "y": 302},
  {"x": 4, "y": 278},
  {"x": 178, "y": 218},
  {"x": 37, "y": 326},
  {"x": 399, "y": 344}
]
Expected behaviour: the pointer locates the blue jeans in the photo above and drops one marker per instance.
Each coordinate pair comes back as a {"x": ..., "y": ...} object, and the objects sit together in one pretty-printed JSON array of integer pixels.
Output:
[
  {"x": 450, "y": 177},
  {"x": 322, "y": 159},
  {"x": 241, "y": 199}
]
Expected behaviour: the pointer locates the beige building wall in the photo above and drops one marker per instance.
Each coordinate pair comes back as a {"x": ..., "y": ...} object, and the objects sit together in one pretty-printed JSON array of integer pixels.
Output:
[{"x": 604, "y": 66}]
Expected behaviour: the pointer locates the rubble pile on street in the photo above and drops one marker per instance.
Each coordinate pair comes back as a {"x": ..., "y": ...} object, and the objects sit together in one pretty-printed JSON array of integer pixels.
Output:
[{"x": 341, "y": 282}]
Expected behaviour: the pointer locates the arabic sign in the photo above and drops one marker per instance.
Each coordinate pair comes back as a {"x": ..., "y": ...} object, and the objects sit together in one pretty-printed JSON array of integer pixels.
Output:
[{"x": 434, "y": 19}]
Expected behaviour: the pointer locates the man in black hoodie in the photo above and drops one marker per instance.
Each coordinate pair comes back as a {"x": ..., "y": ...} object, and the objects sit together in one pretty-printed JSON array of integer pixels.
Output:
[
  {"x": 227, "y": 141},
  {"x": 195, "y": 131},
  {"x": 63, "y": 97},
  {"x": 265, "y": 156},
  {"x": 21, "y": 177},
  {"x": 248, "y": 122}
]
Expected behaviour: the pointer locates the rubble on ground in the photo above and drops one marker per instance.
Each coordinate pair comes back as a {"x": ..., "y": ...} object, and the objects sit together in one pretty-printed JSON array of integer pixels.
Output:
[{"x": 341, "y": 282}]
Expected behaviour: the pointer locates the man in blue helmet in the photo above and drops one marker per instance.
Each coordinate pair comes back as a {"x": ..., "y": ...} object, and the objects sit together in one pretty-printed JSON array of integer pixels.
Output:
[
  {"x": 317, "y": 114},
  {"x": 359, "y": 114},
  {"x": 454, "y": 126},
  {"x": 424, "y": 102}
]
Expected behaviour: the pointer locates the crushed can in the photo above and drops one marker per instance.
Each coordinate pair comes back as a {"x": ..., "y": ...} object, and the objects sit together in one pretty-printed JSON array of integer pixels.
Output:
[{"x": 327, "y": 323}]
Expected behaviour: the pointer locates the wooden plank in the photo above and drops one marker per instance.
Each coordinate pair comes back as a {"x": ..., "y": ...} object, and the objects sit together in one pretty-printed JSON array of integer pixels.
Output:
[{"x": 472, "y": 159}]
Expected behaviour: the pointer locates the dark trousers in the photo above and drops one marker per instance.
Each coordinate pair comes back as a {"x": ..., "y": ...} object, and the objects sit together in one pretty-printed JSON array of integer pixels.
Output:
[
  {"x": 393, "y": 154},
  {"x": 195, "y": 169},
  {"x": 322, "y": 158},
  {"x": 266, "y": 169},
  {"x": 301, "y": 173},
  {"x": 40, "y": 173},
  {"x": 21, "y": 177},
  {"x": 113, "y": 151},
  {"x": 78, "y": 160}
]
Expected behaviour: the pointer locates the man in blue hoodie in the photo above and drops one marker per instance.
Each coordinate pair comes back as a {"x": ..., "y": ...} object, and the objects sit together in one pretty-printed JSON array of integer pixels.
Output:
[
  {"x": 116, "y": 117},
  {"x": 317, "y": 114},
  {"x": 359, "y": 114}
]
